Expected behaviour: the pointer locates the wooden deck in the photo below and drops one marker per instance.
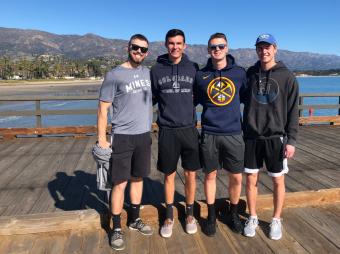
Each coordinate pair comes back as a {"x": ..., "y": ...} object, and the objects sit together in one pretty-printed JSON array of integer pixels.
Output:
[
  {"x": 49, "y": 175},
  {"x": 306, "y": 230},
  {"x": 43, "y": 175}
]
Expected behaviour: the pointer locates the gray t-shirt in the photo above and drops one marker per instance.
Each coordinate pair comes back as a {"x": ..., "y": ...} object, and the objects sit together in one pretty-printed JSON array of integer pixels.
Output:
[{"x": 129, "y": 90}]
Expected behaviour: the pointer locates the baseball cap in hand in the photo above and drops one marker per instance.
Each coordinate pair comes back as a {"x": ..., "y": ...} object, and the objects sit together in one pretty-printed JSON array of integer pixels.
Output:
[{"x": 268, "y": 38}]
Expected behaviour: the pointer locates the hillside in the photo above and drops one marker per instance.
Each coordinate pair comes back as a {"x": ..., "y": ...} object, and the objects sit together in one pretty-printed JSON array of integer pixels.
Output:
[{"x": 17, "y": 43}]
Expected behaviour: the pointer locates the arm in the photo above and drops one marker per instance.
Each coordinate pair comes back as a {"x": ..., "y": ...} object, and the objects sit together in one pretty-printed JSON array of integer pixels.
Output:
[
  {"x": 106, "y": 98},
  {"x": 243, "y": 89},
  {"x": 292, "y": 118},
  {"x": 154, "y": 88},
  {"x": 196, "y": 92},
  {"x": 103, "y": 108}
]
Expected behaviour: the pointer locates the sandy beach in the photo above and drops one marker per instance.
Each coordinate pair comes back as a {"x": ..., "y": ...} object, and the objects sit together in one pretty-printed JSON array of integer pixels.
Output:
[{"x": 49, "y": 88}]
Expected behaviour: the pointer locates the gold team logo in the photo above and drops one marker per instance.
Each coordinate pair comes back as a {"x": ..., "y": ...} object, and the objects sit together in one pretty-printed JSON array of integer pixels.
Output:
[{"x": 221, "y": 91}]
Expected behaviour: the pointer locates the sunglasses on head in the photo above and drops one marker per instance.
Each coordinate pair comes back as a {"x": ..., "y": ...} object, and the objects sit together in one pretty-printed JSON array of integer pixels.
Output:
[
  {"x": 135, "y": 47},
  {"x": 217, "y": 46}
]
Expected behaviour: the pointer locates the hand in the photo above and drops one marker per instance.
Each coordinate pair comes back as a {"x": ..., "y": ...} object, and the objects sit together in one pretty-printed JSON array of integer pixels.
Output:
[
  {"x": 104, "y": 144},
  {"x": 289, "y": 151}
]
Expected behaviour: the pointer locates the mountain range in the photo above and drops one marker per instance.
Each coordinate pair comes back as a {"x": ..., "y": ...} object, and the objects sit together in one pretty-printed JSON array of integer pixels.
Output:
[{"x": 16, "y": 43}]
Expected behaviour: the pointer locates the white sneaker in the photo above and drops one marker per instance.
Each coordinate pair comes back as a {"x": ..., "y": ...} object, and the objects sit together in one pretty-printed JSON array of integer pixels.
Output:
[
  {"x": 166, "y": 229},
  {"x": 190, "y": 225},
  {"x": 250, "y": 226},
  {"x": 275, "y": 232}
]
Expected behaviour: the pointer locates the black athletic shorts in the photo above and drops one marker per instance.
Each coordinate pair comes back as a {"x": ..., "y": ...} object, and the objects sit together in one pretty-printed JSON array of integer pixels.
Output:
[
  {"x": 219, "y": 151},
  {"x": 271, "y": 151},
  {"x": 175, "y": 143},
  {"x": 131, "y": 155}
]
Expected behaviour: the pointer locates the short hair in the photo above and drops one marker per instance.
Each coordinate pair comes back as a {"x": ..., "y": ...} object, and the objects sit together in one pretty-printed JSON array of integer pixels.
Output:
[
  {"x": 217, "y": 35},
  {"x": 139, "y": 37},
  {"x": 173, "y": 33}
]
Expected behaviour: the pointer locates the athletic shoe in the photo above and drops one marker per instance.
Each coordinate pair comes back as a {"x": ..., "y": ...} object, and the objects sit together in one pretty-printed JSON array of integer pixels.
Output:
[
  {"x": 190, "y": 225},
  {"x": 250, "y": 226},
  {"x": 210, "y": 228},
  {"x": 166, "y": 229},
  {"x": 141, "y": 227},
  {"x": 234, "y": 223},
  {"x": 117, "y": 239},
  {"x": 275, "y": 232}
]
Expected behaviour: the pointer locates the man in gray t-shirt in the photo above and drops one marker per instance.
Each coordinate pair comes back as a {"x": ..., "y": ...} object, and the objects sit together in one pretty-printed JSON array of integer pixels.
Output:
[{"x": 127, "y": 89}]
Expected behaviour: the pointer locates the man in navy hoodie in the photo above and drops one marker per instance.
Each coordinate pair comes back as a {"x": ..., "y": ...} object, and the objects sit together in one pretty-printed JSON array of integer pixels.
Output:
[
  {"x": 172, "y": 79},
  {"x": 218, "y": 88},
  {"x": 270, "y": 128}
]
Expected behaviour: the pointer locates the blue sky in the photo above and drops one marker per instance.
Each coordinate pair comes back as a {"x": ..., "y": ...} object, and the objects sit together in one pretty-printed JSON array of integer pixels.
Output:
[{"x": 299, "y": 25}]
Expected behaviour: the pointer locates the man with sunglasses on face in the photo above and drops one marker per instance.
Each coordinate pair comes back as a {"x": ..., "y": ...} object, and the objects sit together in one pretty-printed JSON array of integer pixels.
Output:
[
  {"x": 270, "y": 128},
  {"x": 127, "y": 88},
  {"x": 218, "y": 88},
  {"x": 172, "y": 87}
]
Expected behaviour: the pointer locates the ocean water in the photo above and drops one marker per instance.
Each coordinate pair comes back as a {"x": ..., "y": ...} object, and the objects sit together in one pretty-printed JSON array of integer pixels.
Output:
[
  {"x": 320, "y": 85},
  {"x": 306, "y": 85}
]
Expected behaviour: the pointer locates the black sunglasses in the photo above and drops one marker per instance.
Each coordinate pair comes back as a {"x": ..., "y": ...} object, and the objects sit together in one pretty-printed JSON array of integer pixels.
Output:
[
  {"x": 135, "y": 47},
  {"x": 217, "y": 46}
]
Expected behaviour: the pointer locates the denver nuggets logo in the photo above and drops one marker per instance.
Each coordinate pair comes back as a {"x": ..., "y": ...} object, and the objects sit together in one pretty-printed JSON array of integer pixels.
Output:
[{"x": 221, "y": 91}]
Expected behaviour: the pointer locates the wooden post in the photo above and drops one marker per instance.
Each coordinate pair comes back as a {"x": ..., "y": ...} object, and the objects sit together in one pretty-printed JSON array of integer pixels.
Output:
[
  {"x": 300, "y": 103},
  {"x": 38, "y": 114}
]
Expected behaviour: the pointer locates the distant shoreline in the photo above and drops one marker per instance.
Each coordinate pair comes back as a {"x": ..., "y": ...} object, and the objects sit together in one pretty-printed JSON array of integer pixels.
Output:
[
  {"x": 314, "y": 76},
  {"x": 48, "y": 82}
]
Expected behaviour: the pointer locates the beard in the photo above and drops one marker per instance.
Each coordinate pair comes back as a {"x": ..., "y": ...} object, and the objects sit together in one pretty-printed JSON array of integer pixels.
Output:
[{"x": 133, "y": 60}]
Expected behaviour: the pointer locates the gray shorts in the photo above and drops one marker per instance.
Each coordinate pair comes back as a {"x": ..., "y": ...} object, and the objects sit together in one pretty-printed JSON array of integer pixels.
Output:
[{"x": 218, "y": 151}]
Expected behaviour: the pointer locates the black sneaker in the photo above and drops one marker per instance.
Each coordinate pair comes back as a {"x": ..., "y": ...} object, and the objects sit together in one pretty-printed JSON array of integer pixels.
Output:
[
  {"x": 117, "y": 239},
  {"x": 141, "y": 227},
  {"x": 210, "y": 228},
  {"x": 235, "y": 223}
]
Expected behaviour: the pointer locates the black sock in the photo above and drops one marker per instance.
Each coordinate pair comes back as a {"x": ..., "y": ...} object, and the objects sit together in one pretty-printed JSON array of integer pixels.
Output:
[
  {"x": 134, "y": 212},
  {"x": 211, "y": 212},
  {"x": 233, "y": 208},
  {"x": 169, "y": 211},
  {"x": 189, "y": 209},
  {"x": 116, "y": 221}
]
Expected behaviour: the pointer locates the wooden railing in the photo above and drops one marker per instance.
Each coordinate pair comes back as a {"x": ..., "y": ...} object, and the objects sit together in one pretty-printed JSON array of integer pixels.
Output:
[
  {"x": 311, "y": 119},
  {"x": 39, "y": 113}
]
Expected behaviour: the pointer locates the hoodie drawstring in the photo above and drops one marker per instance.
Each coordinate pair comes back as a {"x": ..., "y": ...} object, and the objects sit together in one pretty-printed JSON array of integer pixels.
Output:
[{"x": 261, "y": 90}]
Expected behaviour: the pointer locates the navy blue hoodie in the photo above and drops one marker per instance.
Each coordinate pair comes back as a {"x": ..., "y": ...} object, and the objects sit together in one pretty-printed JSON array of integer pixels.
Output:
[
  {"x": 271, "y": 103},
  {"x": 172, "y": 89},
  {"x": 218, "y": 91}
]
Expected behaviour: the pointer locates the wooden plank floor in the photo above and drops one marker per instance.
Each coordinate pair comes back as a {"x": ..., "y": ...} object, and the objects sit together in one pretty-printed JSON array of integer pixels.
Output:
[
  {"x": 39, "y": 175},
  {"x": 305, "y": 230}
]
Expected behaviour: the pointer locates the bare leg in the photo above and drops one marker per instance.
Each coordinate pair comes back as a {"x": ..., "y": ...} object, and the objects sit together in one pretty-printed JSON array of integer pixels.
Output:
[
  {"x": 279, "y": 195},
  {"x": 169, "y": 187},
  {"x": 235, "y": 185},
  {"x": 210, "y": 186},
  {"x": 190, "y": 186},
  {"x": 117, "y": 197},
  {"x": 136, "y": 190},
  {"x": 251, "y": 194}
]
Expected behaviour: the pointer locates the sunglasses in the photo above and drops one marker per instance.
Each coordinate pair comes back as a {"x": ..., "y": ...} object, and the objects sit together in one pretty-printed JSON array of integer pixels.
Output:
[
  {"x": 135, "y": 47},
  {"x": 217, "y": 46}
]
